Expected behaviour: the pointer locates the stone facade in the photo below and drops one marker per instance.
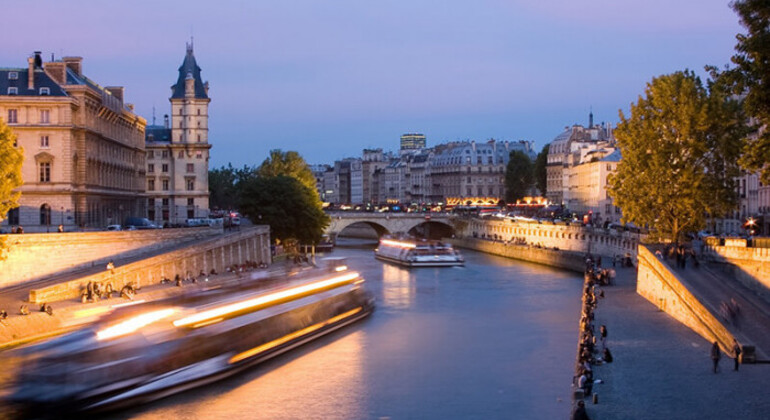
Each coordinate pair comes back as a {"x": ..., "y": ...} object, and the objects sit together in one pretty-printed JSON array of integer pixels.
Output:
[
  {"x": 178, "y": 152},
  {"x": 83, "y": 147}
]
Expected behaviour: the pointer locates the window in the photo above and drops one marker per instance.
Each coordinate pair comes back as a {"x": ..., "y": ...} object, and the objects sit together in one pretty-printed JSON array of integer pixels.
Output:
[
  {"x": 45, "y": 215},
  {"x": 199, "y": 138},
  {"x": 190, "y": 168},
  {"x": 165, "y": 201},
  {"x": 190, "y": 213},
  {"x": 151, "y": 168},
  {"x": 199, "y": 123},
  {"x": 151, "y": 155},
  {"x": 13, "y": 75},
  {"x": 199, "y": 155},
  {"x": 45, "y": 172},
  {"x": 45, "y": 116},
  {"x": 190, "y": 201},
  {"x": 190, "y": 185},
  {"x": 151, "y": 202},
  {"x": 13, "y": 216},
  {"x": 165, "y": 185},
  {"x": 150, "y": 185},
  {"x": 180, "y": 122},
  {"x": 164, "y": 154},
  {"x": 181, "y": 154},
  {"x": 607, "y": 209},
  {"x": 199, "y": 113},
  {"x": 44, "y": 91},
  {"x": 13, "y": 116},
  {"x": 164, "y": 168},
  {"x": 44, "y": 142},
  {"x": 13, "y": 91}
]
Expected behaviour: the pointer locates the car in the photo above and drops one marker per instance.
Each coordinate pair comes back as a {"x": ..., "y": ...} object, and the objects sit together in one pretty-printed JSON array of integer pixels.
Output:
[
  {"x": 139, "y": 223},
  {"x": 113, "y": 228}
]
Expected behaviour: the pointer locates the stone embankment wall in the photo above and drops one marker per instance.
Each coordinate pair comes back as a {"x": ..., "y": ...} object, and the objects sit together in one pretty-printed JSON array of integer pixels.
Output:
[
  {"x": 567, "y": 260},
  {"x": 598, "y": 241},
  {"x": 217, "y": 253},
  {"x": 749, "y": 265},
  {"x": 39, "y": 255},
  {"x": 664, "y": 289}
]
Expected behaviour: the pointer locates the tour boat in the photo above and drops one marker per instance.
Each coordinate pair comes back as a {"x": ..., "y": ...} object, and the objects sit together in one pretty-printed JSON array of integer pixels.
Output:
[
  {"x": 412, "y": 252},
  {"x": 151, "y": 350}
]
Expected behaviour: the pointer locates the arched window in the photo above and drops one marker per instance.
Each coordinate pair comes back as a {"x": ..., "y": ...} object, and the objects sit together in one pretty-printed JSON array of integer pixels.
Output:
[
  {"x": 45, "y": 215},
  {"x": 13, "y": 216}
]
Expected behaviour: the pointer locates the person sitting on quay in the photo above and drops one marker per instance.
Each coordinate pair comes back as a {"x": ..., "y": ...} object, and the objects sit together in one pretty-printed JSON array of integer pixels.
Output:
[{"x": 580, "y": 412}]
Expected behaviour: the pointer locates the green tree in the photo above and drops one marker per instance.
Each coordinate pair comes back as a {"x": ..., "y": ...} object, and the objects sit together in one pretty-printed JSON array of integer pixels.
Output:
[
  {"x": 518, "y": 176},
  {"x": 223, "y": 185},
  {"x": 752, "y": 78},
  {"x": 679, "y": 151},
  {"x": 292, "y": 210},
  {"x": 11, "y": 158},
  {"x": 541, "y": 170},
  {"x": 290, "y": 164}
]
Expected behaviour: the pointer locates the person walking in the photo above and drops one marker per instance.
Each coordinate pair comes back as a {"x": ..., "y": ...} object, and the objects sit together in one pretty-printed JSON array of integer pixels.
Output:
[
  {"x": 580, "y": 412},
  {"x": 737, "y": 353},
  {"x": 715, "y": 356}
]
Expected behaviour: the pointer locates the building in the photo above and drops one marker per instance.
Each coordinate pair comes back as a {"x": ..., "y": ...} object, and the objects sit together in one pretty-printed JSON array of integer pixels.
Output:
[
  {"x": 84, "y": 149},
  {"x": 585, "y": 185},
  {"x": 349, "y": 181},
  {"x": 318, "y": 173},
  {"x": 572, "y": 140},
  {"x": 412, "y": 141},
  {"x": 372, "y": 161},
  {"x": 178, "y": 151}
]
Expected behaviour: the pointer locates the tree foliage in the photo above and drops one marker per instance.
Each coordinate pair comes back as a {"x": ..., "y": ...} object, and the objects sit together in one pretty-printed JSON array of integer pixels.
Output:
[
  {"x": 541, "y": 170},
  {"x": 11, "y": 158},
  {"x": 223, "y": 185},
  {"x": 518, "y": 176},
  {"x": 287, "y": 163},
  {"x": 680, "y": 147},
  {"x": 751, "y": 78},
  {"x": 292, "y": 210}
]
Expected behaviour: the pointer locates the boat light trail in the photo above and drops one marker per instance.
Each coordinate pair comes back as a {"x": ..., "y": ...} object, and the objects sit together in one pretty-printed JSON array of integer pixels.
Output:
[
  {"x": 294, "y": 292},
  {"x": 286, "y": 338},
  {"x": 398, "y": 243},
  {"x": 133, "y": 324}
]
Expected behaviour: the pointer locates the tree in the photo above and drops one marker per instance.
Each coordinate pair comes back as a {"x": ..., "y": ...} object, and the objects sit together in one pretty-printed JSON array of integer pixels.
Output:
[
  {"x": 752, "y": 78},
  {"x": 679, "y": 151},
  {"x": 292, "y": 210},
  {"x": 11, "y": 158},
  {"x": 518, "y": 176},
  {"x": 290, "y": 164},
  {"x": 223, "y": 185},
  {"x": 541, "y": 170}
]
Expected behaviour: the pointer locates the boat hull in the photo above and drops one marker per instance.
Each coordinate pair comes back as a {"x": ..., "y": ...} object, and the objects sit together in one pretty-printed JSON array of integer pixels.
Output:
[{"x": 406, "y": 263}]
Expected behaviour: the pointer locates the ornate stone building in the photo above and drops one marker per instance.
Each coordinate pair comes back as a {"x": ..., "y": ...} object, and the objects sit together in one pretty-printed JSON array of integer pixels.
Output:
[
  {"x": 178, "y": 151},
  {"x": 83, "y": 147}
]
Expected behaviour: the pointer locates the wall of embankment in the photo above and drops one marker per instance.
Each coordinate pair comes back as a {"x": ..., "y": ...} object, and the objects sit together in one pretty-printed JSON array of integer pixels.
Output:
[
  {"x": 36, "y": 256},
  {"x": 567, "y": 260},
  {"x": 749, "y": 265},
  {"x": 657, "y": 283},
  {"x": 217, "y": 253}
]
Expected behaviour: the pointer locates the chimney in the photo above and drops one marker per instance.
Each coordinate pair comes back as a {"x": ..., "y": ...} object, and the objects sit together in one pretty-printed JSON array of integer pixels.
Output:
[
  {"x": 75, "y": 64},
  {"x": 189, "y": 86},
  {"x": 165, "y": 120},
  {"x": 116, "y": 91},
  {"x": 31, "y": 73},
  {"x": 57, "y": 70}
]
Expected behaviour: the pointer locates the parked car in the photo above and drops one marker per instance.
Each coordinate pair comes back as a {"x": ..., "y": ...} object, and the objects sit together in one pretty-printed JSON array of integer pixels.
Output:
[
  {"x": 113, "y": 227},
  {"x": 139, "y": 223}
]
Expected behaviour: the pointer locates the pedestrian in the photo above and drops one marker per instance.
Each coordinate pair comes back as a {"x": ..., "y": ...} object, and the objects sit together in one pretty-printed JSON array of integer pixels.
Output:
[
  {"x": 715, "y": 356},
  {"x": 603, "y": 332},
  {"x": 580, "y": 412},
  {"x": 737, "y": 352},
  {"x": 61, "y": 228},
  {"x": 111, "y": 267}
]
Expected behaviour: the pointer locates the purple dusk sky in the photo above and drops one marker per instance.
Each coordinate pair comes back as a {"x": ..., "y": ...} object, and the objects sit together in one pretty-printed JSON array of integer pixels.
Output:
[{"x": 330, "y": 78}]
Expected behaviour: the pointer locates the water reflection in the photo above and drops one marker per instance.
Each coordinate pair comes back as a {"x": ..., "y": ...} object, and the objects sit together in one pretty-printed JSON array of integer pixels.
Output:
[{"x": 398, "y": 287}]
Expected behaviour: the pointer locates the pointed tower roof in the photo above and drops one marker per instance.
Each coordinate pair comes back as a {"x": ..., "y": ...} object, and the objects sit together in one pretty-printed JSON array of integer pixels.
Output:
[{"x": 189, "y": 67}]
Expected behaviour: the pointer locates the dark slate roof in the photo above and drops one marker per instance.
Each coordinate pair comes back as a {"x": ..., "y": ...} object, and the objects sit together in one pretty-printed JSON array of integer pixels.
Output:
[
  {"x": 41, "y": 80},
  {"x": 189, "y": 66},
  {"x": 612, "y": 157},
  {"x": 157, "y": 133}
]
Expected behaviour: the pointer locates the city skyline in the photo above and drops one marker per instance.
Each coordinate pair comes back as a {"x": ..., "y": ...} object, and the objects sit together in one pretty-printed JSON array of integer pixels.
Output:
[{"x": 330, "y": 81}]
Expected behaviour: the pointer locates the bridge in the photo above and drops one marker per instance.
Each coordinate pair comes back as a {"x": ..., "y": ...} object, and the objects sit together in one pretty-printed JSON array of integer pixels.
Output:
[{"x": 424, "y": 224}]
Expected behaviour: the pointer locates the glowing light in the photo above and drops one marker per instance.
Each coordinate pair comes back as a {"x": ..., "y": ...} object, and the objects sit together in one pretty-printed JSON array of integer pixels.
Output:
[
  {"x": 341, "y": 268},
  {"x": 265, "y": 300},
  {"x": 133, "y": 324},
  {"x": 398, "y": 243},
  {"x": 286, "y": 338}
]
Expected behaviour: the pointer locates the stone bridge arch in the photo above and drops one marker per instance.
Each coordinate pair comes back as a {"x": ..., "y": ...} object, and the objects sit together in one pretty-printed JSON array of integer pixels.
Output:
[{"x": 382, "y": 224}]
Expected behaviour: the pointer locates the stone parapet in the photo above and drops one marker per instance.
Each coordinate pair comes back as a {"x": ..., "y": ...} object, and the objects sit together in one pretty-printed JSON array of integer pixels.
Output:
[
  {"x": 567, "y": 260},
  {"x": 32, "y": 257},
  {"x": 217, "y": 253},
  {"x": 750, "y": 265},
  {"x": 657, "y": 283}
]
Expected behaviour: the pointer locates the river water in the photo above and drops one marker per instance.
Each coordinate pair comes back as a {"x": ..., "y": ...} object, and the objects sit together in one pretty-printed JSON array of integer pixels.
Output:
[{"x": 493, "y": 339}]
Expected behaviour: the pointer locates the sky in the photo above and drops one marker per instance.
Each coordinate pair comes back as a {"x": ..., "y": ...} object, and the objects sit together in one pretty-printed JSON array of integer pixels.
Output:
[{"x": 330, "y": 78}]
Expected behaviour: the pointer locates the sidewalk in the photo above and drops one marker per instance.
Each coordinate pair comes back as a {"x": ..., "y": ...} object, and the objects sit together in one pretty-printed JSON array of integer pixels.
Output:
[{"x": 662, "y": 369}]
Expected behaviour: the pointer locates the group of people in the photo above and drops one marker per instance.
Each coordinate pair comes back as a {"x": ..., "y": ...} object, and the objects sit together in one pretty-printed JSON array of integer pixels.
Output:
[
  {"x": 731, "y": 312},
  {"x": 24, "y": 311},
  {"x": 592, "y": 349},
  {"x": 716, "y": 354}
]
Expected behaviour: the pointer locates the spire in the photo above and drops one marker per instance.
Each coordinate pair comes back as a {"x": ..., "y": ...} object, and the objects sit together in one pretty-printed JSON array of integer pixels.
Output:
[
  {"x": 189, "y": 69},
  {"x": 591, "y": 117}
]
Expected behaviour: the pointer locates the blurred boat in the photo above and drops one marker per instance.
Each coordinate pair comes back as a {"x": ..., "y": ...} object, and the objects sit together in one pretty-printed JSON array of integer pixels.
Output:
[
  {"x": 149, "y": 351},
  {"x": 412, "y": 252}
]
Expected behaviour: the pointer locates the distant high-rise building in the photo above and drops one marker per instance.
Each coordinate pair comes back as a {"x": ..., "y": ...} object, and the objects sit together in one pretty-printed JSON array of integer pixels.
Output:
[{"x": 412, "y": 141}]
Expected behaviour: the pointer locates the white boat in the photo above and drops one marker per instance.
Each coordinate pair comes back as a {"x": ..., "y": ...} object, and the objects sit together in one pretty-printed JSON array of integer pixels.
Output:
[{"x": 412, "y": 252}]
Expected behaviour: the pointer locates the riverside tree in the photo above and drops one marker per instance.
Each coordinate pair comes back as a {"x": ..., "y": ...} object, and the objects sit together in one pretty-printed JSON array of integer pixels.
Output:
[
  {"x": 751, "y": 78},
  {"x": 541, "y": 170},
  {"x": 292, "y": 210},
  {"x": 518, "y": 176},
  {"x": 11, "y": 158},
  {"x": 287, "y": 163},
  {"x": 680, "y": 148}
]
